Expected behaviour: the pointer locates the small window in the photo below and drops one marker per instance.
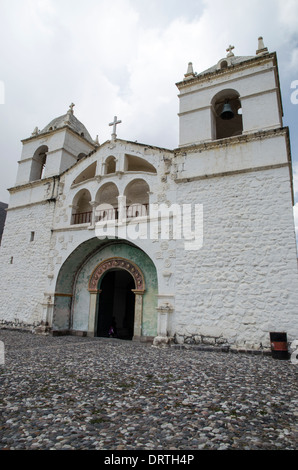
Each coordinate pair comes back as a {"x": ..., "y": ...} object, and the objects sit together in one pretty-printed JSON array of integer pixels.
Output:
[
  {"x": 11, "y": 260},
  {"x": 32, "y": 235}
]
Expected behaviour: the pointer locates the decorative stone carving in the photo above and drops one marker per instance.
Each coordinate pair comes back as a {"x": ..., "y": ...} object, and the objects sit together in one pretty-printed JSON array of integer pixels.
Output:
[
  {"x": 167, "y": 275},
  {"x": 164, "y": 246},
  {"x": 113, "y": 263},
  {"x": 165, "y": 308}
]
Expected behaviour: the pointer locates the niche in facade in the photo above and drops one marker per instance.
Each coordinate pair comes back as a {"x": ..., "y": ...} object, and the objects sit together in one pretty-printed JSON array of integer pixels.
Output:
[
  {"x": 133, "y": 163},
  {"x": 233, "y": 125},
  {"x": 87, "y": 174},
  {"x": 110, "y": 165}
]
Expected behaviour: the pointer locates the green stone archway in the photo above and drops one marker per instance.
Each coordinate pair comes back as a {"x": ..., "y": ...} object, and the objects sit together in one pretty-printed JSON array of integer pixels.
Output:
[{"x": 76, "y": 296}]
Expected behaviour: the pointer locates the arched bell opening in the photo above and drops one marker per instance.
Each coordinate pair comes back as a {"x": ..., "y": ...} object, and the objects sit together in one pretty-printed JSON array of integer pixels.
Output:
[
  {"x": 227, "y": 114},
  {"x": 38, "y": 163}
]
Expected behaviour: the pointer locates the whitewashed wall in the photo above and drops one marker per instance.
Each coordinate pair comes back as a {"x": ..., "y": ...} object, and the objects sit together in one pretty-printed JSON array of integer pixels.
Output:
[
  {"x": 243, "y": 283},
  {"x": 24, "y": 264}
]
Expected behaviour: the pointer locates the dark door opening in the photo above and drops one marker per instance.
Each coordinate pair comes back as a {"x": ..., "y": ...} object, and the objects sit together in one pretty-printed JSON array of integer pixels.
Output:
[{"x": 116, "y": 306}]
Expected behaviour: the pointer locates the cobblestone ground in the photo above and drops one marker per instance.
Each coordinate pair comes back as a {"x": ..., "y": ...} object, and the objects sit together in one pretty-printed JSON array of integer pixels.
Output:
[{"x": 85, "y": 393}]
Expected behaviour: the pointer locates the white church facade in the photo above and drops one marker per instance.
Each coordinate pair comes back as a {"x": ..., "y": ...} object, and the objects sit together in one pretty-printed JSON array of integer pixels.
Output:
[{"x": 188, "y": 245}]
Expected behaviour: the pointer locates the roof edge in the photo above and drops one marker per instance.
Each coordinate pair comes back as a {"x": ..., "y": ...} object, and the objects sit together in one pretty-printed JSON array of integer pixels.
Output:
[
  {"x": 66, "y": 127},
  {"x": 231, "y": 68}
]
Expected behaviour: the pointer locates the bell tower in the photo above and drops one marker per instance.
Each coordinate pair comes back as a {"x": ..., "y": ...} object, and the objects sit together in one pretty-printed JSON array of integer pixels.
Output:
[
  {"x": 54, "y": 149},
  {"x": 237, "y": 96}
]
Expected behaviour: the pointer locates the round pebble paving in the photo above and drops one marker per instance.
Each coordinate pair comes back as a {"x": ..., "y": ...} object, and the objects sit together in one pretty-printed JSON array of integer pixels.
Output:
[{"x": 100, "y": 394}]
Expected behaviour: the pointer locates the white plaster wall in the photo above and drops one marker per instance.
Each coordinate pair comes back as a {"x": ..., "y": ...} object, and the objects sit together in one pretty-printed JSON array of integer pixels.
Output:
[
  {"x": 255, "y": 153},
  {"x": 260, "y": 112},
  {"x": 195, "y": 126},
  {"x": 23, "y": 283},
  {"x": 243, "y": 283},
  {"x": 33, "y": 193},
  {"x": 75, "y": 145}
]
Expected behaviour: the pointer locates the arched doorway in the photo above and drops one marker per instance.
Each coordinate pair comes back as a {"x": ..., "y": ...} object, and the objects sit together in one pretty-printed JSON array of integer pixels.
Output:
[
  {"x": 104, "y": 301},
  {"x": 78, "y": 287},
  {"x": 116, "y": 305}
]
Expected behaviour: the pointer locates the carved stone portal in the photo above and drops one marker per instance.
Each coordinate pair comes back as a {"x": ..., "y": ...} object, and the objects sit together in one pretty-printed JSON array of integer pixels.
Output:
[
  {"x": 136, "y": 273},
  {"x": 114, "y": 263}
]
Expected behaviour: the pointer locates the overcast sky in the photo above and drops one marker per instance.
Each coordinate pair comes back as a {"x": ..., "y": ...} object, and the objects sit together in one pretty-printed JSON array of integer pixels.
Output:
[{"x": 123, "y": 57}]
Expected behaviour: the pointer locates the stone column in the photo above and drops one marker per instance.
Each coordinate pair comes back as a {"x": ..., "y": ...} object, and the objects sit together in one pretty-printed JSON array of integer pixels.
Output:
[
  {"x": 103, "y": 168},
  {"x": 121, "y": 209},
  {"x": 47, "y": 314},
  {"x": 137, "y": 333},
  {"x": 74, "y": 209},
  {"x": 163, "y": 339},
  {"x": 92, "y": 324},
  {"x": 93, "y": 204}
]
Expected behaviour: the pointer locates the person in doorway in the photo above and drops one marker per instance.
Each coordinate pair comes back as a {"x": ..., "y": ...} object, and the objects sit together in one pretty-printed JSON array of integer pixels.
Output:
[{"x": 113, "y": 329}]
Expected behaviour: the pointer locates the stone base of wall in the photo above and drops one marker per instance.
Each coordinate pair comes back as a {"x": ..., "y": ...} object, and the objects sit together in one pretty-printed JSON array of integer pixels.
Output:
[
  {"x": 82, "y": 334},
  {"x": 162, "y": 341},
  {"x": 208, "y": 343},
  {"x": 223, "y": 349},
  {"x": 199, "y": 339},
  {"x": 35, "y": 328}
]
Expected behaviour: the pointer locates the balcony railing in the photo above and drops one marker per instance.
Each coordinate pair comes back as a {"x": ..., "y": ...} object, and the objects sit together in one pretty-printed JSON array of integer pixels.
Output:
[
  {"x": 106, "y": 214},
  {"x": 82, "y": 218},
  {"x": 135, "y": 210}
]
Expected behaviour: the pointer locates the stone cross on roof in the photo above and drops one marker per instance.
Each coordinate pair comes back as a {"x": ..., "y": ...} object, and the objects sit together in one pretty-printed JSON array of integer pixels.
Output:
[
  {"x": 114, "y": 124},
  {"x": 229, "y": 50},
  {"x": 71, "y": 106}
]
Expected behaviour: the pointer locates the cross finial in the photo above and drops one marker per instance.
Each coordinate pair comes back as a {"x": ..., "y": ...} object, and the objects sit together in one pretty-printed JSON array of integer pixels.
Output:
[
  {"x": 229, "y": 50},
  {"x": 114, "y": 124},
  {"x": 71, "y": 106}
]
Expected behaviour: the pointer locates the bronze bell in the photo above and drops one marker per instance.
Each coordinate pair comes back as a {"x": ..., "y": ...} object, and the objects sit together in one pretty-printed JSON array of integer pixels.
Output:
[{"x": 227, "y": 112}]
